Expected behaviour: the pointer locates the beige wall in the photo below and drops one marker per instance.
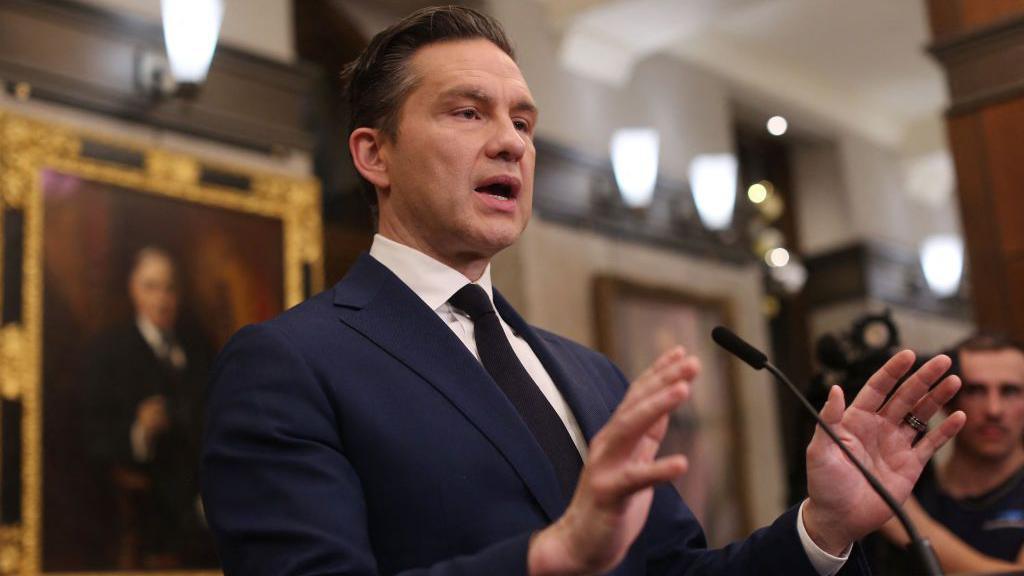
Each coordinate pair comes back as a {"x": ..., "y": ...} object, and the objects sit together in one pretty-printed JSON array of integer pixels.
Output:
[
  {"x": 823, "y": 221},
  {"x": 293, "y": 163},
  {"x": 262, "y": 27},
  {"x": 689, "y": 107},
  {"x": 919, "y": 331},
  {"x": 548, "y": 276}
]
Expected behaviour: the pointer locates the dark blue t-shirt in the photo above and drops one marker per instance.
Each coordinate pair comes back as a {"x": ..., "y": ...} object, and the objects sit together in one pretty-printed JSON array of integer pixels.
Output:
[{"x": 992, "y": 523}]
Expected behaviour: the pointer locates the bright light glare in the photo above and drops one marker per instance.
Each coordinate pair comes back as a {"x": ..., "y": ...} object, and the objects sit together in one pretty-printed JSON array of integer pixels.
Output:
[
  {"x": 635, "y": 162},
  {"x": 792, "y": 276},
  {"x": 191, "y": 28},
  {"x": 757, "y": 193},
  {"x": 942, "y": 258},
  {"x": 777, "y": 257},
  {"x": 777, "y": 125},
  {"x": 713, "y": 182}
]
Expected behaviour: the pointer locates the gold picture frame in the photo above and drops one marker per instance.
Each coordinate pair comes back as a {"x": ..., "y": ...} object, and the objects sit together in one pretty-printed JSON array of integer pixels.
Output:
[
  {"x": 637, "y": 322},
  {"x": 35, "y": 154}
]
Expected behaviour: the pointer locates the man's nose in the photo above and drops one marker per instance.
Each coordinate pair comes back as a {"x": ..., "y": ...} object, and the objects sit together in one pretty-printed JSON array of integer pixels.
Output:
[
  {"x": 507, "y": 142},
  {"x": 993, "y": 404}
]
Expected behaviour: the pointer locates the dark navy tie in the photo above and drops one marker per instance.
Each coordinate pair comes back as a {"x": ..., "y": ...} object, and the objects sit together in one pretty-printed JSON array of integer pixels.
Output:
[{"x": 504, "y": 366}]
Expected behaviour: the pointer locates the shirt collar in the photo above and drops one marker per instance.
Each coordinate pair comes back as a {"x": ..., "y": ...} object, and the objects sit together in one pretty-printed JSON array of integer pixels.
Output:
[
  {"x": 431, "y": 280},
  {"x": 150, "y": 333}
]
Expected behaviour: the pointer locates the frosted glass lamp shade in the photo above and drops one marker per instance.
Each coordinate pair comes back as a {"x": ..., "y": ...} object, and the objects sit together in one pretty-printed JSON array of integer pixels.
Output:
[
  {"x": 191, "y": 28},
  {"x": 713, "y": 183}
]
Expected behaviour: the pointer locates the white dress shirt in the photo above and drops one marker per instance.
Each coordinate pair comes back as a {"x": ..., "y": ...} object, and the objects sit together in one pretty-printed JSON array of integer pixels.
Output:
[
  {"x": 435, "y": 282},
  {"x": 166, "y": 351}
]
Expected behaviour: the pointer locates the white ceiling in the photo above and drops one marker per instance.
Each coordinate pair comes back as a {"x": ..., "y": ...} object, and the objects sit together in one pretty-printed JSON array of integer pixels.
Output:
[{"x": 860, "y": 64}]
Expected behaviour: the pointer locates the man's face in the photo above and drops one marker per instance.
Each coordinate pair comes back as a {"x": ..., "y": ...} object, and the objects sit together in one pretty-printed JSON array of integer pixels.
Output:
[
  {"x": 154, "y": 291},
  {"x": 992, "y": 396},
  {"x": 460, "y": 172}
]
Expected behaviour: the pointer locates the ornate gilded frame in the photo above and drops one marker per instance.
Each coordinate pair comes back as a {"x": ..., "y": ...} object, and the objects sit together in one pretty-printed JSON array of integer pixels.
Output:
[{"x": 27, "y": 147}]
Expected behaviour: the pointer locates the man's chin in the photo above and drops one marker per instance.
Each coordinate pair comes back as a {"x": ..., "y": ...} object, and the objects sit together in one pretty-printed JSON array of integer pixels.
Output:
[
  {"x": 991, "y": 452},
  {"x": 164, "y": 325},
  {"x": 497, "y": 239}
]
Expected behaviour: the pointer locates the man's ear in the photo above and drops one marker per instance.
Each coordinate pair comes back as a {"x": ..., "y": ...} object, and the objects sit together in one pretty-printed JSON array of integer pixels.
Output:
[{"x": 365, "y": 146}]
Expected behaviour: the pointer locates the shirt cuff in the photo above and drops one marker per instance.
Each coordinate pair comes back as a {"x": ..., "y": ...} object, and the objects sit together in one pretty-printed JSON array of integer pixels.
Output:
[{"x": 824, "y": 563}]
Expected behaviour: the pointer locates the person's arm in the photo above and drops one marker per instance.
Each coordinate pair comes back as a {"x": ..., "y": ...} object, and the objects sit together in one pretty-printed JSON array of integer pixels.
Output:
[
  {"x": 282, "y": 497},
  {"x": 954, "y": 554},
  {"x": 842, "y": 507}
]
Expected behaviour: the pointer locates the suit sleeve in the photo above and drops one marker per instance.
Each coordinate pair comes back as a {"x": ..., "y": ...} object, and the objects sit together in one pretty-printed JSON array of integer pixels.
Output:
[{"x": 279, "y": 493}]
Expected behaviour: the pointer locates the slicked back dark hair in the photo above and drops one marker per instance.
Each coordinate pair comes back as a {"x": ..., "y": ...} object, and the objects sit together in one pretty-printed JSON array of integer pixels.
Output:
[{"x": 379, "y": 80}]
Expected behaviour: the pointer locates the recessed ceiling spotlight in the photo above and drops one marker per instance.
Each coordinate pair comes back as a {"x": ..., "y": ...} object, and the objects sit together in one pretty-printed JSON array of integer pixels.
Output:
[{"x": 777, "y": 125}]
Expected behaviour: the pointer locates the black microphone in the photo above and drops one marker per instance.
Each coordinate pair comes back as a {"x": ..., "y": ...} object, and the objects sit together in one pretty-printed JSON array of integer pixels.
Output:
[{"x": 756, "y": 359}]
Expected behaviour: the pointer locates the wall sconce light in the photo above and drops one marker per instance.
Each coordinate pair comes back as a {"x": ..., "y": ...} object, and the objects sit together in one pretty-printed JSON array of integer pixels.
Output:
[
  {"x": 191, "y": 29},
  {"x": 942, "y": 259},
  {"x": 635, "y": 162},
  {"x": 713, "y": 183}
]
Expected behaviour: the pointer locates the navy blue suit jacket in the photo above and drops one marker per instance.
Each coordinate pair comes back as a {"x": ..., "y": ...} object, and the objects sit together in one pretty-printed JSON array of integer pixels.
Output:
[{"x": 355, "y": 434}]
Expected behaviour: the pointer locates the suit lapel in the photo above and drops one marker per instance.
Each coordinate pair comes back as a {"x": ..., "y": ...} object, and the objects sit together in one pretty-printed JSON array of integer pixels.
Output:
[
  {"x": 568, "y": 375},
  {"x": 378, "y": 305}
]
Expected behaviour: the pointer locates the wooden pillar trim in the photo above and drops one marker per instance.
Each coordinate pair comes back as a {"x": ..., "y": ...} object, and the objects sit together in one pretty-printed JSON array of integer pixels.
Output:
[
  {"x": 951, "y": 17},
  {"x": 981, "y": 231},
  {"x": 984, "y": 65},
  {"x": 980, "y": 44}
]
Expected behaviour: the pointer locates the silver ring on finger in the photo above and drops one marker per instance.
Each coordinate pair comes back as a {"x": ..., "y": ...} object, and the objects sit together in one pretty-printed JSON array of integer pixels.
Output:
[{"x": 914, "y": 422}]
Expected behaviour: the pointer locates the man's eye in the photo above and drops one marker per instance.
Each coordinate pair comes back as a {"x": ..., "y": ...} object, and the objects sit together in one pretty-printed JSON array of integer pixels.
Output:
[
  {"x": 521, "y": 125},
  {"x": 468, "y": 114},
  {"x": 1011, "y": 391}
]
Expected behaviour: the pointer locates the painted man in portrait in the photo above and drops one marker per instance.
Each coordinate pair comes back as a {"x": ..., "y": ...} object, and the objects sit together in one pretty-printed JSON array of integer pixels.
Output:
[{"x": 146, "y": 383}]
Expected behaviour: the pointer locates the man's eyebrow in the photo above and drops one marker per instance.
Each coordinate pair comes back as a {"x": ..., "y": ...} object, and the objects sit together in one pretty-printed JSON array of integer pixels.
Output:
[
  {"x": 482, "y": 97},
  {"x": 526, "y": 106}
]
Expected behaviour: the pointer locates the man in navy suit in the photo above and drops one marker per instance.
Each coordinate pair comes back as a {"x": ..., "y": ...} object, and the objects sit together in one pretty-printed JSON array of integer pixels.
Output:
[{"x": 395, "y": 424}]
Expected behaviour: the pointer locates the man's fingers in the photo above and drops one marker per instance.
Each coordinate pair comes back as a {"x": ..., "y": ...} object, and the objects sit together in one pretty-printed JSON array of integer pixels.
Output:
[
  {"x": 637, "y": 476},
  {"x": 871, "y": 397},
  {"x": 670, "y": 368},
  {"x": 629, "y": 425},
  {"x": 831, "y": 413},
  {"x": 939, "y": 435},
  {"x": 938, "y": 396},
  {"x": 914, "y": 388},
  {"x": 669, "y": 356}
]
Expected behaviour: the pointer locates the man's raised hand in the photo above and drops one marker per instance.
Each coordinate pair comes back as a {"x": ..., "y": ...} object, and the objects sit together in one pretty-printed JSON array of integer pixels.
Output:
[
  {"x": 842, "y": 506},
  {"x": 613, "y": 497}
]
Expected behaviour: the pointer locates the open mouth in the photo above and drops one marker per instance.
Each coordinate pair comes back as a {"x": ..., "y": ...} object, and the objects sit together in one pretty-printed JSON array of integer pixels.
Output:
[{"x": 505, "y": 188}]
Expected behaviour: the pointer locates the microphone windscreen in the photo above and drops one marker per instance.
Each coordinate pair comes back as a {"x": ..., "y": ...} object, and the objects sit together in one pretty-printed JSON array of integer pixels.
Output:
[{"x": 738, "y": 347}]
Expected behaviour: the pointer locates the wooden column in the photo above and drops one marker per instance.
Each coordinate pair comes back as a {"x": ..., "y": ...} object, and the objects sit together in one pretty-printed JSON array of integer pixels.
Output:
[{"x": 980, "y": 44}]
